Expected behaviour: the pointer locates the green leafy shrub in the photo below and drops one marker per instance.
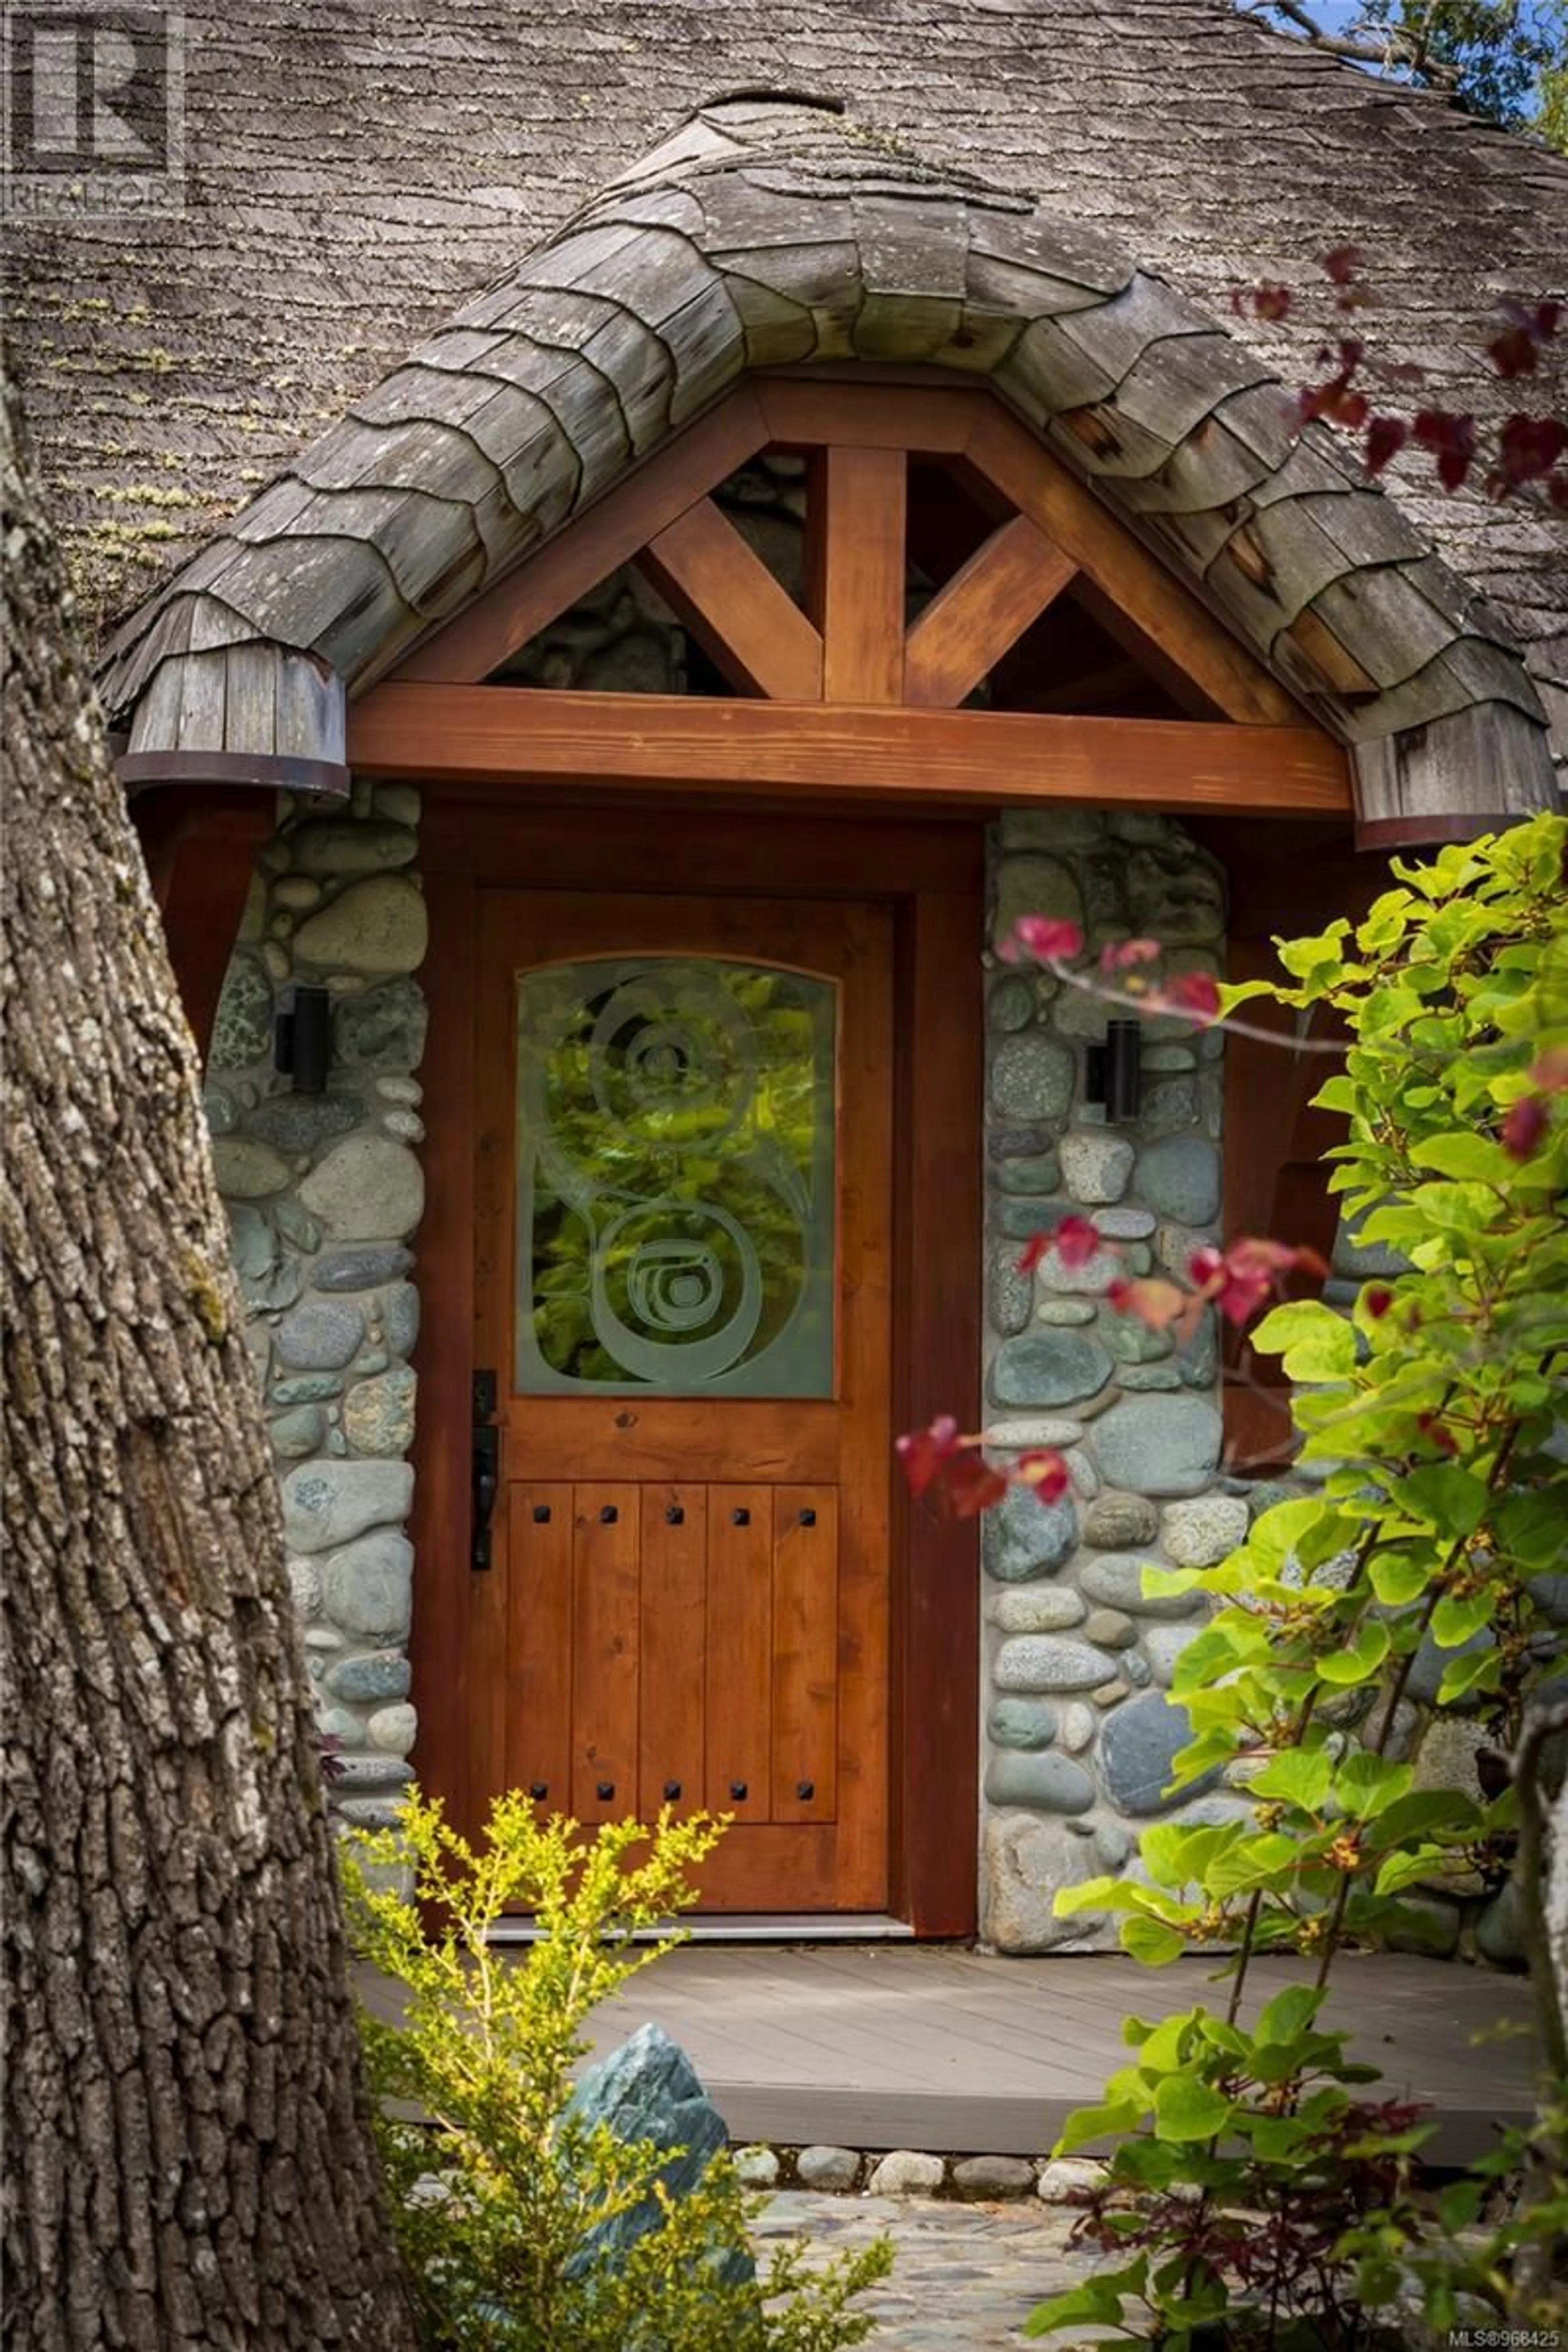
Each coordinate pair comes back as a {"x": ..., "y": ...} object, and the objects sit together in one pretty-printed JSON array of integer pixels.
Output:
[
  {"x": 1430, "y": 1424},
  {"x": 501, "y": 2194}
]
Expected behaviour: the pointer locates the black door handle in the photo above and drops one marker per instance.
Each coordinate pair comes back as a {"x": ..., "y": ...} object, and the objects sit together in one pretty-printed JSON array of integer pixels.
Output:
[{"x": 486, "y": 1470}]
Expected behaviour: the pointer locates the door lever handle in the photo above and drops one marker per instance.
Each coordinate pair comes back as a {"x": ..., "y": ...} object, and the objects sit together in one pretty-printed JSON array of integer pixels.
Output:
[{"x": 486, "y": 1470}]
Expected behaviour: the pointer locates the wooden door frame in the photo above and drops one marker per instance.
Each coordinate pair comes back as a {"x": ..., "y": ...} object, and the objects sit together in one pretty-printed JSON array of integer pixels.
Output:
[{"x": 932, "y": 875}]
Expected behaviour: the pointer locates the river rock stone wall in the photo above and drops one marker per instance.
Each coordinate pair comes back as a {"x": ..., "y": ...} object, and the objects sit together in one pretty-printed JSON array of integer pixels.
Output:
[
  {"x": 1078, "y": 1731},
  {"x": 324, "y": 1196}
]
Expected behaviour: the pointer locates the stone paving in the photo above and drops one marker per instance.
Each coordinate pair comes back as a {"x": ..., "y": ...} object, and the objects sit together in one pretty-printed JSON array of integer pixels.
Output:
[{"x": 964, "y": 2277}]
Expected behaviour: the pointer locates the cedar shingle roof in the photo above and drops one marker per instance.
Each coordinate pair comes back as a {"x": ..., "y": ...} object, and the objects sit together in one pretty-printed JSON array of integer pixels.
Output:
[{"x": 355, "y": 175}]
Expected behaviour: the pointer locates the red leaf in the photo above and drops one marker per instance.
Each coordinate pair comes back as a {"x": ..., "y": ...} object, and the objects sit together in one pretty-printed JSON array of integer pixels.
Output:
[
  {"x": 1549, "y": 1071},
  {"x": 923, "y": 1452},
  {"x": 1385, "y": 436},
  {"x": 1045, "y": 1472},
  {"x": 1037, "y": 1247},
  {"x": 973, "y": 1485},
  {"x": 1075, "y": 1241},
  {"x": 1193, "y": 995},
  {"x": 1524, "y": 1127},
  {"x": 1045, "y": 937},
  {"x": 1266, "y": 299},
  {"x": 1443, "y": 1439},
  {"x": 1154, "y": 1300},
  {"x": 1529, "y": 447},
  {"x": 1515, "y": 351},
  {"x": 1120, "y": 955},
  {"x": 1377, "y": 1299},
  {"x": 1343, "y": 264},
  {"x": 1451, "y": 439}
]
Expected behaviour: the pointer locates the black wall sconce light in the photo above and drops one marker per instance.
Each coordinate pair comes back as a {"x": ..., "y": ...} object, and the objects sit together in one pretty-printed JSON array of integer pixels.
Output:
[
  {"x": 301, "y": 1038},
  {"x": 1114, "y": 1074}
]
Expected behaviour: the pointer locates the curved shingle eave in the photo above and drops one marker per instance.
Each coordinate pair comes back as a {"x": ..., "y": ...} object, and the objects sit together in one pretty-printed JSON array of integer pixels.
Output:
[{"x": 764, "y": 235}]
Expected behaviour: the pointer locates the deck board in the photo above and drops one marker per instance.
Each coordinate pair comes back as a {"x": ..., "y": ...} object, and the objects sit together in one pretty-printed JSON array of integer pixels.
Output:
[{"x": 899, "y": 2045}]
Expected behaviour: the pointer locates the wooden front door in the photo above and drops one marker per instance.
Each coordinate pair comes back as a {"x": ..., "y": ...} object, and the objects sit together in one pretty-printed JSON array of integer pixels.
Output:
[{"x": 683, "y": 1214}]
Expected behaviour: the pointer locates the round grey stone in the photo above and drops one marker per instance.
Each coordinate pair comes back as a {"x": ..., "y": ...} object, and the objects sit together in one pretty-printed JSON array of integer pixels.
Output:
[
  {"x": 1111, "y": 1629},
  {"x": 302, "y": 1123},
  {"x": 1116, "y": 1580},
  {"x": 1163, "y": 1645},
  {"x": 1026, "y": 1858},
  {"x": 1168, "y": 1105},
  {"x": 1140, "y": 1379},
  {"x": 1031, "y": 1078},
  {"x": 1123, "y": 1224},
  {"x": 297, "y": 1433},
  {"x": 1035, "y": 1608},
  {"x": 1062, "y": 1312},
  {"x": 1022, "y": 1215},
  {"x": 1179, "y": 1178},
  {"x": 306, "y": 1388},
  {"x": 1096, "y": 1164},
  {"x": 1131, "y": 1340},
  {"x": 1024, "y": 1538},
  {"x": 756, "y": 2167},
  {"x": 298, "y": 1225},
  {"x": 1113, "y": 1522},
  {"x": 305, "y": 1583},
  {"x": 1008, "y": 1142},
  {"x": 366, "y": 1812},
  {"x": 1423, "y": 1924},
  {"x": 1499, "y": 1930},
  {"x": 827, "y": 2167},
  {"x": 368, "y": 1188},
  {"x": 1011, "y": 1004},
  {"x": 1201, "y": 1533},
  {"x": 359, "y": 1773},
  {"x": 1158, "y": 1444},
  {"x": 1036, "y": 1173},
  {"x": 253, "y": 1244},
  {"x": 367, "y": 1588},
  {"x": 378, "y": 1414},
  {"x": 1034, "y": 886},
  {"x": 906, "y": 2173},
  {"x": 1024, "y": 1723},
  {"x": 383, "y": 1030},
  {"x": 399, "y": 1308},
  {"x": 393, "y": 1728},
  {"x": 1047, "y": 1661},
  {"x": 978, "y": 2177},
  {"x": 219, "y": 1111},
  {"x": 1071, "y": 2181},
  {"x": 1049, "y": 1366},
  {"x": 1172, "y": 897},
  {"x": 340, "y": 846},
  {"x": 328, "y": 1503},
  {"x": 1137, "y": 1744},
  {"x": 1041, "y": 1783},
  {"x": 1075, "y": 1726},
  {"x": 376, "y": 926},
  {"x": 247, "y": 1169},
  {"x": 376, "y": 1674},
  {"x": 361, "y": 1269},
  {"x": 242, "y": 1025},
  {"x": 399, "y": 801},
  {"x": 321, "y": 1335},
  {"x": 1008, "y": 1292}
]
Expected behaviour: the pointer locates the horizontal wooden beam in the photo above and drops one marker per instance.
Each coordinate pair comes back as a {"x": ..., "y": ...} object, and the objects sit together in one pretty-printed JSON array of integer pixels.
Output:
[
  {"x": 997, "y": 759},
  {"x": 723, "y": 592}
]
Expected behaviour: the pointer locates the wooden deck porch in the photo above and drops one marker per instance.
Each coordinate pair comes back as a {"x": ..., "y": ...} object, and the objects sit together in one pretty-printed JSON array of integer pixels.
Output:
[{"x": 920, "y": 2046}]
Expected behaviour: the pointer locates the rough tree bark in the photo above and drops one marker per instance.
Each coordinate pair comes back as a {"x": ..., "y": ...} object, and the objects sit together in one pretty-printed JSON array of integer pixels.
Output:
[{"x": 188, "y": 2157}]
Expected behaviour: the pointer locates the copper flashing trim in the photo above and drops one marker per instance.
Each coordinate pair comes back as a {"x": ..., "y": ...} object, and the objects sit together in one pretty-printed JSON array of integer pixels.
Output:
[{"x": 273, "y": 771}]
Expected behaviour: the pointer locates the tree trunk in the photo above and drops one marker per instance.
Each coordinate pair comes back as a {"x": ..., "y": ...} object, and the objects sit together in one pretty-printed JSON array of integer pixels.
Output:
[{"x": 187, "y": 2155}]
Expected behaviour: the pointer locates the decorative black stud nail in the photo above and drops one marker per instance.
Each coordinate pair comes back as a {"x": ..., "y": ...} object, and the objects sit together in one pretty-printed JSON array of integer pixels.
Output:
[
  {"x": 738, "y": 1790},
  {"x": 808, "y": 1519},
  {"x": 675, "y": 1516},
  {"x": 741, "y": 1519},
  {"x": 539, "y": 1791},
  {"x": 542, "y": 1515},
  {"x": 608, "y": 1516},
  {"x": 671, "y": 1791},
  {"x": 605, "y": 1791},
  {"x": 805, "y": 1791}
]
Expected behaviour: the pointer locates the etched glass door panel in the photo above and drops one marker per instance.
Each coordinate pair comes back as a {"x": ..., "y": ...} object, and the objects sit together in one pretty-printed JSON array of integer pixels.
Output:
[{"x": 676, "y": 1178}]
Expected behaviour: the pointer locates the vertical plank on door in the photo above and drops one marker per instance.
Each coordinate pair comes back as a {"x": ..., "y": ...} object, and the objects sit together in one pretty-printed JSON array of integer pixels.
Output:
[
  {"x": 673, "y": 1607},
  {"x": 806, "y": 1653},
  {"x": 740, "y": 1650},
  {"x": 535, "y": 1683},
  {"x": 607, "y": 1525},
  {"x": 855, "y": 546}
]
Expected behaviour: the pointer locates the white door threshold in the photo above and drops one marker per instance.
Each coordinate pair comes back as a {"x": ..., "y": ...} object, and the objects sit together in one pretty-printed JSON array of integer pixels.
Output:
[{"x": 751, "y": 1928}]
